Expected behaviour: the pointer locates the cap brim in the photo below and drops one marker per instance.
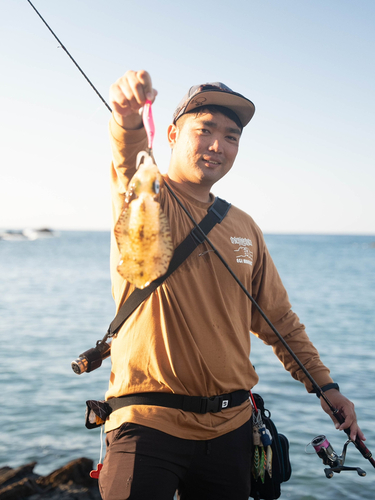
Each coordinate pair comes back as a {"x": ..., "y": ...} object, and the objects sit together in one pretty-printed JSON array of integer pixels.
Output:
[{"x": 242, "y": 106}]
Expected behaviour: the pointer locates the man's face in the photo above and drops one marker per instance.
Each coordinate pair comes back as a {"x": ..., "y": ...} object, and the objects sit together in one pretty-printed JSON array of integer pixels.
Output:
[{"x": 204, "y": 148}]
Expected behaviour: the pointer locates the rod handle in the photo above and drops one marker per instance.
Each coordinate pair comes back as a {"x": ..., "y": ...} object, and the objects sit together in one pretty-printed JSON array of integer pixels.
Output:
[{"x": 358, "y": 443}]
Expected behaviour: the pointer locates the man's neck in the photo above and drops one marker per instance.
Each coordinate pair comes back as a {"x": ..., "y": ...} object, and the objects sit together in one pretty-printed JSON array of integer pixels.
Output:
[{"x": 199, "y": 192}]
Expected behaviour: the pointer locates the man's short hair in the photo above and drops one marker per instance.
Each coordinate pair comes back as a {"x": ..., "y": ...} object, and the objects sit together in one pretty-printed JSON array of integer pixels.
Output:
[{"x": 214, "y": 108}]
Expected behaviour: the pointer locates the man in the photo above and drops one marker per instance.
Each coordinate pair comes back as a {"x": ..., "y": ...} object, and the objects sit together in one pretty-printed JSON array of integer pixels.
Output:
[{"x": 191, "y": 336}]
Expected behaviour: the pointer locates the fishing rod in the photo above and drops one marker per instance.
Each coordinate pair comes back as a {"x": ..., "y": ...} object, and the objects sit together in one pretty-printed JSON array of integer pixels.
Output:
[
  {"x": 361, "y": 447},
  {"x": 72, "y": 59},
  {"x": 365, "y": 452}
]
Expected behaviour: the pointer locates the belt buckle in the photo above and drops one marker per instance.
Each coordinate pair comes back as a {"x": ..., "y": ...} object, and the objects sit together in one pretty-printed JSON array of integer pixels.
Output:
[{"x": 213, "y": 404}]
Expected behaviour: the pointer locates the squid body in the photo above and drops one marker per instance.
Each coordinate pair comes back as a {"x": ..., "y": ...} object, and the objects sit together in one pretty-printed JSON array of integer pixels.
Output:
[{"x": 142, "y": 231}]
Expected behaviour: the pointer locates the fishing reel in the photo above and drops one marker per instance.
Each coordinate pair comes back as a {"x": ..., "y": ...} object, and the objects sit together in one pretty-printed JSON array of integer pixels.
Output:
[{"x": 324, "y": 450}]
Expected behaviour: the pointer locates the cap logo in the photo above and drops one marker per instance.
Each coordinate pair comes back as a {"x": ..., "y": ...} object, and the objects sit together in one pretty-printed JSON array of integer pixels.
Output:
[{"x": 198, "y": 101}]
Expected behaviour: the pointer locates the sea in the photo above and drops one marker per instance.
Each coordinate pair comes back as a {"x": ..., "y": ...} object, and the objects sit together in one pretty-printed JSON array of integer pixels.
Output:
[{"x": 55, "y": 303}]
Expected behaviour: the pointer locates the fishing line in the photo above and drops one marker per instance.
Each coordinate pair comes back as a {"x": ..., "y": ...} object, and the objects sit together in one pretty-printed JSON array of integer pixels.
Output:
[{"x": 336, "y": 413}]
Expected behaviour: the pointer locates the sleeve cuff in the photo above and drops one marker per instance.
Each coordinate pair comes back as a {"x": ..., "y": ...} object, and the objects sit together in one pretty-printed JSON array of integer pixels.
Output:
[
  {"x": 327, "y": 387},
  {"x": 122, "y": 135}
]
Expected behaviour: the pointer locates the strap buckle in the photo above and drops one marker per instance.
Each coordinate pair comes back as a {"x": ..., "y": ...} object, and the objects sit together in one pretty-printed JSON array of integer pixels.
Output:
[
  {"x": 198, "y": 236},
  {"x": 214, "y": 404}
]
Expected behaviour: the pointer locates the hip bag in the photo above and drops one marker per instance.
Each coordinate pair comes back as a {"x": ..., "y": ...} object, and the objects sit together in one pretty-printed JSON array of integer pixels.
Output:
[{"x": 271, "y": 464}]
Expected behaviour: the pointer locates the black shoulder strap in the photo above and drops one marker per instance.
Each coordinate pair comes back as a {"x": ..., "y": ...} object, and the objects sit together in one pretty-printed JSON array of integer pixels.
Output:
[{"x": 215, "y": 214}]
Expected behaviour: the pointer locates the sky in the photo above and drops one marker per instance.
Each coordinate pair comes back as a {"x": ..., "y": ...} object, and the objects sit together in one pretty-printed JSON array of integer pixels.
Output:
[{"x": 307, "y": 159}]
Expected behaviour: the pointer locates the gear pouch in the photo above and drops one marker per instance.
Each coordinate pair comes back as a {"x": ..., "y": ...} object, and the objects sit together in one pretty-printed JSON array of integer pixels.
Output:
[{"x": 97, "y": 413}]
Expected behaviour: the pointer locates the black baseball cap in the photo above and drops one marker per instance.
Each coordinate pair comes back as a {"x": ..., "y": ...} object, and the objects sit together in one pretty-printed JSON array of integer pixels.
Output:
[{"x": 219, "y": 94}]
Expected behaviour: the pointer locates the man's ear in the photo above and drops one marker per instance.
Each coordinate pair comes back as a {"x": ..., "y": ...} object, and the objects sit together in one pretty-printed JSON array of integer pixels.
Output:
[{"x": 172, "y": 134}]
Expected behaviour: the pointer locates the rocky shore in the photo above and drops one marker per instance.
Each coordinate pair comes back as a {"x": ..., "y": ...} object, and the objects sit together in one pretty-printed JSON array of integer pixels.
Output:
[{"x": 70, "y": 482}]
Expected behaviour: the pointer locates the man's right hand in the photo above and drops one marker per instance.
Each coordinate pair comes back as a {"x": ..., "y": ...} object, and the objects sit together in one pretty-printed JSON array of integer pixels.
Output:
[{"x": 128, "y": 95}]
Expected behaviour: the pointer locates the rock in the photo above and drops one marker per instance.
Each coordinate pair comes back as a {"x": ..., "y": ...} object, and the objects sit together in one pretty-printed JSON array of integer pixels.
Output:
[
  {"x": 77, "y": 471},
  {"x": 16, "y": 491},
  {"x": 7, "y": 474},
  {"x": 70, "y": 482}
]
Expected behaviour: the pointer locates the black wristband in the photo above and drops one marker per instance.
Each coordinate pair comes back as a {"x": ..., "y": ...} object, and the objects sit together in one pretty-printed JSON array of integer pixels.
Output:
[{"x": 327, "y": 388}]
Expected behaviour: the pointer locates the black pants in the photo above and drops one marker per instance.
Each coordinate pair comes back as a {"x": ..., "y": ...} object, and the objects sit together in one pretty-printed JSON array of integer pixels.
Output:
[{"x": 145, "y": 464}]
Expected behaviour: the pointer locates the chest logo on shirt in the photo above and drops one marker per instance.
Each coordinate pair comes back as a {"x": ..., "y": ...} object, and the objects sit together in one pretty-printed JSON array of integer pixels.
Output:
[{"x": 243, "y": 253}]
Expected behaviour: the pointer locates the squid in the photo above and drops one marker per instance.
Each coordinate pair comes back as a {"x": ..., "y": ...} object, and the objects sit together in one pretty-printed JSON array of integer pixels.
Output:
[{"x": 142, "y": 231}]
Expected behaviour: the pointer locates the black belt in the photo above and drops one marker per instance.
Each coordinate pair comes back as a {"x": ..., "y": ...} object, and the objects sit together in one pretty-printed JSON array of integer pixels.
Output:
[{"x": 195, "y": 404}]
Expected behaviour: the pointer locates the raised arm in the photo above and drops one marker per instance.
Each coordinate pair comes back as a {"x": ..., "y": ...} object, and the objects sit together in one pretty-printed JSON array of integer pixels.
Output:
[{"x": 127, "y": 135}]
